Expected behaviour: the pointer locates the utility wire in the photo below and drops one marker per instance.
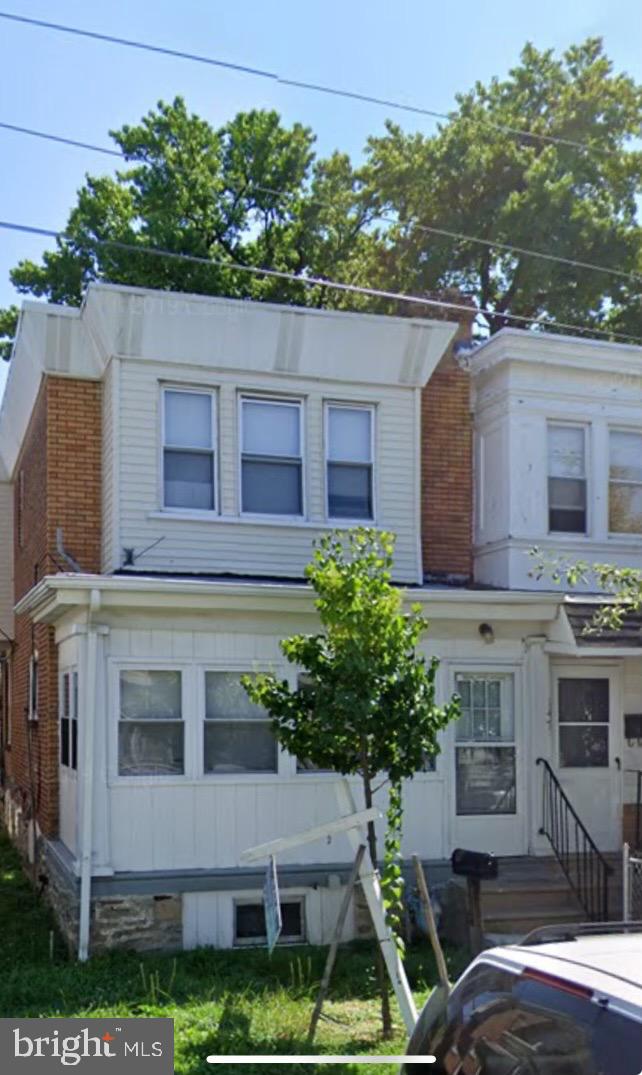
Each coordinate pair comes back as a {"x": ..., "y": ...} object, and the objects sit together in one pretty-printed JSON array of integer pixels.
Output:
[
  {"x": 387, "y": 218},
  {"x": 334, "y": 91},
  {"x": 319, "y": 281}
]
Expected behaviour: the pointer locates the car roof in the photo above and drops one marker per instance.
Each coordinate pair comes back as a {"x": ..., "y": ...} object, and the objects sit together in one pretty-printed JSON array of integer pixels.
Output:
[{"x": 606, "y": 963}]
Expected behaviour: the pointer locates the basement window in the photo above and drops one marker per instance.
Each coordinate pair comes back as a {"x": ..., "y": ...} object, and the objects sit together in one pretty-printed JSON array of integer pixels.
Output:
[
  {"x": 249, "y": 922},
  {"x": 69, "y": 720}
]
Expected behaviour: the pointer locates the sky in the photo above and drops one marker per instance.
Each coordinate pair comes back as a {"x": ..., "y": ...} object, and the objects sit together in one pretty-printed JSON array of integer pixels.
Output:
[{"x": 416, "y": 51}]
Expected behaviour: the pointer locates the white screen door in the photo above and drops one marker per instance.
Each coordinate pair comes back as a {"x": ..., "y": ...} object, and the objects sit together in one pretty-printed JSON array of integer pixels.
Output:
[
  {"x": 589, "y": 748},
  {"x": 488, "y": 797}
]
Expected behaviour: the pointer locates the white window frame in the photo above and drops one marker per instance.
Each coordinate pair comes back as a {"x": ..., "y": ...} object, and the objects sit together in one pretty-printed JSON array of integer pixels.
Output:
[
  {"x": 508, "y": 673},
  {"x": 71, "y": 674},
  {"x": 189, "y": 774},
  {"x": 561, "y": 423},
  {"x": 356, "y": 406},
  {"x": 284, "y": 760},
  {"x": 194, "y": 390},
  {"x": 627, "y": 535},
  {"x": 281, "y": 401},
  {"x": 285, "y": 896}
]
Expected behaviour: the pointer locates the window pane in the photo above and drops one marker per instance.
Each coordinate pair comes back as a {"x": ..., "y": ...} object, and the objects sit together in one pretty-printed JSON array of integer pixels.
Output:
[
  {"x": 583, "y": 700},
  {"x": 485, "y": 780},
  {"x": 250, "y": 922},
  {"x": 626, "y": 456},
  {"x": 565, "y": 452},
  {"x": 625, "y": 508},
  {"x": 74, "y": 744},
  {"x": 271, "y": 428},
  {"x": 150, "y": 748},
  {"x": 567, "y": 493},
  {"x": 271, "y": 488},
  {"x": 489, "y": 717},
  {"x": 188, "y": 420},
  {"x": 189, "y": 480},
  {"x": 237, "y": 747},
  {"x": 150, "y": 695},
  {"x": 226, "y": 699},
  {"x": 584, "y": 746},
  {"x": 566, "y": 521},
  {"x": 66, "y": 694},
  {"x": 349, "y": 434},
  {"x": 64, "y": 741},
  {"x": 349, "y": 491}
]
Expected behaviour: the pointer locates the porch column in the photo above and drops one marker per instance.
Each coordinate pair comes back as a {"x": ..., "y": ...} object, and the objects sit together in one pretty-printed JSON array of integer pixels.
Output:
[{"x": 537, "y": 740}]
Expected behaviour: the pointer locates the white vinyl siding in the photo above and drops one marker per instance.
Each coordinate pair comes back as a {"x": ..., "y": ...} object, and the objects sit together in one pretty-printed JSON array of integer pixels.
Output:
[
  {"x": 625, "y": 482},
  {"x": 228, "y": 542},
  {"x": 6, "y": 558},
  {"x": 350, "y": 462}
]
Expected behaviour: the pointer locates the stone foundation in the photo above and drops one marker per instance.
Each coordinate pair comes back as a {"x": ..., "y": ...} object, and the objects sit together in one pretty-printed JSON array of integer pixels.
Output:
[{"x": 141, "y": 923}]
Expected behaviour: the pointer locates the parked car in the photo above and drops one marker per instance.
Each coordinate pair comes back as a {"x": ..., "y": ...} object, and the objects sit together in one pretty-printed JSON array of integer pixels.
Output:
[{"x": 566, "y": 1006}]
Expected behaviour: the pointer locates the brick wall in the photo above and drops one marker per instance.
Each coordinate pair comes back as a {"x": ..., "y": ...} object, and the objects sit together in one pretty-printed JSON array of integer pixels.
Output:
[
  {"x": 447, "y": 465},
  {"x": 57, "y": 484}
]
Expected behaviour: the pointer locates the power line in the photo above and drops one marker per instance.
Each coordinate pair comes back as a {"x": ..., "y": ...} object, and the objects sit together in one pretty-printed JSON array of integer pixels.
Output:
[
  {"x": 429, "y": 229},
  {"x": 319, "y": 281},
  {"x": 314, "y": 87}
]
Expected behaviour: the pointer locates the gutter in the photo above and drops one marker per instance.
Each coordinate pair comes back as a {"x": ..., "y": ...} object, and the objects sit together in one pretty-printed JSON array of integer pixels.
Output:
[{"x": 87, "y": 816}]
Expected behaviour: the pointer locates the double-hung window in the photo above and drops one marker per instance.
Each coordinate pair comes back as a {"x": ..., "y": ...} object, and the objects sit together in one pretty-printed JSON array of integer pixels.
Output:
[
  {"x": 189, "y": 439},
  {"x": 349, "y": 461},
  {"x": 567, "y": 479},
  {"x": 237, "y": 734},
  {"x": 69, "y": 720},
  {"x": 271, "y": 457},
  {"x": 150, "y": 728},
  {"x": 625, "y": 482}
]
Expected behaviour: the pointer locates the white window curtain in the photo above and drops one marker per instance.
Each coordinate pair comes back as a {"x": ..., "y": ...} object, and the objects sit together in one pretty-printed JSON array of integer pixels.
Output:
[
  {"x": 151, "y": 730},
  {"x": 625, "y": 482}
]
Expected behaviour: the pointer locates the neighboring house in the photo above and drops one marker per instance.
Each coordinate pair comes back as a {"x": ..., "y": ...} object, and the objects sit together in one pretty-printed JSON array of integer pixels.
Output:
[{"x": 171, "y": 459}]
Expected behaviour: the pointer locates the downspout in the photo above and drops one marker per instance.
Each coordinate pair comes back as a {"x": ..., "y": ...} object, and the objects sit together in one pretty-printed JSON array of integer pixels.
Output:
[{"x": 87, "y": 817}]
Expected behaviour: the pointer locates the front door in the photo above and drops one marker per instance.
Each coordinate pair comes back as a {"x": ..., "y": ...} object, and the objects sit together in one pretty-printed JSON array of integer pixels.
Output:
[
  {"x": 588, "y": 725},
  {"x": 488, "y": 805}
]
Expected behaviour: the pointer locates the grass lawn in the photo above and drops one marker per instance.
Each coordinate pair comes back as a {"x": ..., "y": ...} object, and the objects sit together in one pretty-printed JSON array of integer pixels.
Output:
[{"x": 221, "y": 1002}]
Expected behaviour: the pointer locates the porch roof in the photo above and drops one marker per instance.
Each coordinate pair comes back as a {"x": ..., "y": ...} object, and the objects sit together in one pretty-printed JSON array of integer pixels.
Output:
[{"x": 580, "y": 616}]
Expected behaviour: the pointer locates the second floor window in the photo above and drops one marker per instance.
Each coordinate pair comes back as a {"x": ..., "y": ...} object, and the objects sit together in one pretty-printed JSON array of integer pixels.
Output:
[
  {"x": 566, "y": 479},
  {"x": 271, "y": 457},
  {"x": 625, "y": 483},
  {"x": 188, "y": 450},
  {"x": 349, "y": 462}
]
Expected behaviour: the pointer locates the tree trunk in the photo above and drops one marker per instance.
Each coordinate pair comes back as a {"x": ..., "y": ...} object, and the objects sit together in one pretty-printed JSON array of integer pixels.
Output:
[{"x": 382, "y": 975}]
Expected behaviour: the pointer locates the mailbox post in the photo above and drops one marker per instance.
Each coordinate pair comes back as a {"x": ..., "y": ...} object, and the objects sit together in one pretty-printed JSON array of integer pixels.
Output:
[{"x": 475, "y": 866}]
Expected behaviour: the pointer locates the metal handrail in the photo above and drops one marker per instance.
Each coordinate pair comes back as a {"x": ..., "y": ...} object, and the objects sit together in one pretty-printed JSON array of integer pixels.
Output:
[
  {"x": 638, "y": 808},
  {"x": 584, "y": 865}
]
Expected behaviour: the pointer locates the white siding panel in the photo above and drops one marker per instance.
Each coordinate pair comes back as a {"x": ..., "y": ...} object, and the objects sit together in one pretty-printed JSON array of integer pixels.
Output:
[
  {"x": 110, "y": 452},
  {"x": 227, "y": 543}
]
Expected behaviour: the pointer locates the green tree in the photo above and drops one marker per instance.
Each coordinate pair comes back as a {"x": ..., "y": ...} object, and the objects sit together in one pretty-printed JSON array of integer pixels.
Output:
[
  {"x": 475, "y": 178},
  {"x": 249, "y": 193},
  {"x": 365, "y": 704}
]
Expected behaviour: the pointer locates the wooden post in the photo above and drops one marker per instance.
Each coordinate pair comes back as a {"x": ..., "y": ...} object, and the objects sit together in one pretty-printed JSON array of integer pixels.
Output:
[
  {"x": 336, "y": 940},
  {"x": 385, "y": 940},
  {"x": 476, "y": 931},
  {"x": 424, "y": 896}
]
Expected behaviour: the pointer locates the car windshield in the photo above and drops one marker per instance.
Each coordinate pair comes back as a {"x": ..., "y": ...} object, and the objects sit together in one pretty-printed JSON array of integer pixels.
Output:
[{"x": 502, "y": 1023}]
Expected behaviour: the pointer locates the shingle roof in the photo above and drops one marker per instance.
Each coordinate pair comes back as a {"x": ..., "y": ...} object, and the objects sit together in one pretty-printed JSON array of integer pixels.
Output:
[{"x": 581, "y": 616}]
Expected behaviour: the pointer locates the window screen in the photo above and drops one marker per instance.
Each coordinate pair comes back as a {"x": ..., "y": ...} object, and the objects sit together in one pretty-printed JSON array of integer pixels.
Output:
[
  {"x": 349, "y": 462},
  {"x": 188, "y": 450},
  {"x": 271, "y": 457}
]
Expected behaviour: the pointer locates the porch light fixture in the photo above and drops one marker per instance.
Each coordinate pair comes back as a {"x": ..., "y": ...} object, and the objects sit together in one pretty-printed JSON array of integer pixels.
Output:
[{"x": 487, "y": 633}]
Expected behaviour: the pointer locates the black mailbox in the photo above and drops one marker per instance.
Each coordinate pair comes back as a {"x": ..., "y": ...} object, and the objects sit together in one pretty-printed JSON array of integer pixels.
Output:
[{"x": 474, "y": 864}]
